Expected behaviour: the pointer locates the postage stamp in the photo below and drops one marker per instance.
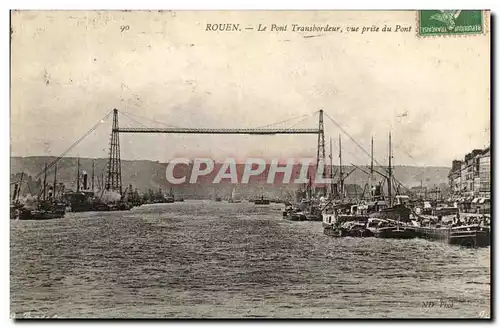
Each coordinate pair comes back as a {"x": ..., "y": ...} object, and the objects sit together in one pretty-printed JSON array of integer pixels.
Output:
[{"x": 450, "y": 22}]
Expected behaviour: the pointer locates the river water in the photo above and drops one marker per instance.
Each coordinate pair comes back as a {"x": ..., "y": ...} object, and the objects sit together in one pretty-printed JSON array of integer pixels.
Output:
[{"x": 201, "y": 259}]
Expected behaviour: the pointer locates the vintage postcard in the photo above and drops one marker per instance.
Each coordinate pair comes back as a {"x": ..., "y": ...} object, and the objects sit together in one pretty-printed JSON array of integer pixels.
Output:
[{"x": 250, "y": 164}]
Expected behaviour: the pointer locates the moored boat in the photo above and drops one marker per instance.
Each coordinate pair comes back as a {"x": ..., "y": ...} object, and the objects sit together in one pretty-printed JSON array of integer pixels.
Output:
[
  {"x": 396, "y": 232},
  {"x": 261, "y": 201},
  {"x": 234, "y": 198},
  {"x": 475, "y": 235}
]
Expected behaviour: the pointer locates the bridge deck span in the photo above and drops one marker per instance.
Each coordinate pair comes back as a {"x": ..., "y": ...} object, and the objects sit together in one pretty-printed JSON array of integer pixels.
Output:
[{"x": 218, "y": 131}]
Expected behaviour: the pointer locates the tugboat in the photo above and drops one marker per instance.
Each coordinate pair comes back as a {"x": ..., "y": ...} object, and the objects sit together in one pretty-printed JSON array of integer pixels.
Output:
[
  {"x": 395, "y": 230},
  {"x": 84, "y": 199},
  {"x": 341, "y": 220}
]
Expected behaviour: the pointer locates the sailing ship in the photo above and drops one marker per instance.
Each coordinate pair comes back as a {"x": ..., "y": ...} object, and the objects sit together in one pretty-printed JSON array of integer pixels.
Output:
[
  {"x": 234, "y": 198},
  {"x": 216, "y": 198},
  {"x": 340, "y": 216},
  {"x": 396, "y": 215},
  {"x": 47, "y": 205},
  {"x": 393, "y": 217}
]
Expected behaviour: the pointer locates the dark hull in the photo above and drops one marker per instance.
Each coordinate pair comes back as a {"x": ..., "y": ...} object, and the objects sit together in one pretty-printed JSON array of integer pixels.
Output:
[
  {"x": 359, "y": 233},
  {"x": 397, "y": 213},
  {"x": 261, "y": 202},
  {"x": 396, "y": 233},
  {"x": 313, "y": 217},
  {"x": 337, "y": 232},
  {"x": 100, "y": 207},
  {"x": 294, "y": 216},
  {"x": 39, "y": 215},
  {"x": 341, "y": 232},
  {"x": 468, "y": 236},
  {"x": 44, "y": 216},
  {"x": 164, "y": 201},
  {"x": 45, "y": 211}
]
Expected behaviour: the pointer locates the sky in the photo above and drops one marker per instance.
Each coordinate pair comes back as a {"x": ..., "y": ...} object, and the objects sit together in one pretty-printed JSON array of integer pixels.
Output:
[{"x": 69, "y": 69}]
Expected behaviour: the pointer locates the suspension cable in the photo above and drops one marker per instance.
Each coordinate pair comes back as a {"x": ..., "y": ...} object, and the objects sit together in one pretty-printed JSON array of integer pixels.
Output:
[
  {"x": 361, "y": 147},
  {"x": 148, "y": 119},
  {"x": 54, "y": 162},
  {"x": 352, "y": 138},
  {"x": 131, "y": 118},
  {"x": 286, "y": 121}
]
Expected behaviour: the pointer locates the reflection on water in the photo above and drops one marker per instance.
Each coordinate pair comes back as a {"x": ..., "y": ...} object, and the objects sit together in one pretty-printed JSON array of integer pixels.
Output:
[{"x": 205, "y": 259}]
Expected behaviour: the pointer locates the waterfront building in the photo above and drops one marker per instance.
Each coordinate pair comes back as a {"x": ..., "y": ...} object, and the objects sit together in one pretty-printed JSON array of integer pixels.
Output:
[
  {"x": 470, "y": 179},
  {"x": 485, "y": 174}
]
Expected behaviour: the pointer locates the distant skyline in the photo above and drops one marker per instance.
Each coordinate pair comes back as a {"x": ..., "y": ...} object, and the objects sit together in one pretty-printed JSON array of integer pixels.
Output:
[{"x": 70, "y": 68}]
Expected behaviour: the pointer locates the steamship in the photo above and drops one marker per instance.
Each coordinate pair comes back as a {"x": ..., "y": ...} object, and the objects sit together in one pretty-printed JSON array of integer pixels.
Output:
[{"x": 85, "y": 199}]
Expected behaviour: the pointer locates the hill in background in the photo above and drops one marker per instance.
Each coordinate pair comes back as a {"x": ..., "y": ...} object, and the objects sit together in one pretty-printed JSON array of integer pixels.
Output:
[{"x": 145, "y": 174}]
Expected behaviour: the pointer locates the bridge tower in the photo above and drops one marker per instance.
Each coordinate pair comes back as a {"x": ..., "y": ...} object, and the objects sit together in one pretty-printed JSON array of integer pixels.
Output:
[
  {"x": 320, "y": 156},
  {"x": 114, "y": 174}
]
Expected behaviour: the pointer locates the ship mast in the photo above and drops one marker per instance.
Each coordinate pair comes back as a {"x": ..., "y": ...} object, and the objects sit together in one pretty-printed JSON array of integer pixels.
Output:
[
  {"x": 341, "y": 173},
  {"x": 371, "y": 173},
  {"x": 309, "y": 185},
  {"x": 44, "y": 182},
  {"x": 93, "y": 162},
  {"x": 55, "y": 182},
  {"x": 78, "y": 174},
  {"x": 331, "y": 169},
  {"x": 17, "y": 189},
  {"x": 389, "y": 178}
]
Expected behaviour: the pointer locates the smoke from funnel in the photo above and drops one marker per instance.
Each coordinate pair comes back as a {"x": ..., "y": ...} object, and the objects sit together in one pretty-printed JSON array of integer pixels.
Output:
[
  {"x": 110, "y": 196},
  {"x": 29, "y": 202}
]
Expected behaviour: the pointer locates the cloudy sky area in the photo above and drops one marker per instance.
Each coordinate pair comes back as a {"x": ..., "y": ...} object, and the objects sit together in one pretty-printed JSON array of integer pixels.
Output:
[{"x": 71, "y": 68}]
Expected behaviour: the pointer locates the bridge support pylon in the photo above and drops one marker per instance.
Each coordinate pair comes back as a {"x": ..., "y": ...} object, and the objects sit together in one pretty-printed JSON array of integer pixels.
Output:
[
  {"x": 114, "y": 168},
  {"x": 320, "y": 155}
]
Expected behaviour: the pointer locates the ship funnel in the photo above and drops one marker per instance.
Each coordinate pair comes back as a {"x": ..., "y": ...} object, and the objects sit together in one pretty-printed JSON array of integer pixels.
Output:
[{"x": 85, "y": 180}]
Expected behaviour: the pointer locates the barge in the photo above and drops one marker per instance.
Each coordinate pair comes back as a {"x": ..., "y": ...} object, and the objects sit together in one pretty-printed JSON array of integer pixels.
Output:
[{"x": 474, "y": 235}]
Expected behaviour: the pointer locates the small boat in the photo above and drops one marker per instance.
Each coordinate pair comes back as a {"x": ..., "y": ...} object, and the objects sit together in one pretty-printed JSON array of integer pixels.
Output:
[
  {"x": 234, "y": 197},
  {"x": 294, "y": 215},
  {"x": 392, "y": 229},
  {"x": 342, "y": 225},
  {"x": 169, "y": 199},
  {"x": 261, "y": 201},
  {"x": 42, "y": 215},
  {"x": 314, "y": 214},
  {"x": 357, "y": 229},
  {"x": 44, "y": 210},
  {"x": 334, "y": 232}
]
